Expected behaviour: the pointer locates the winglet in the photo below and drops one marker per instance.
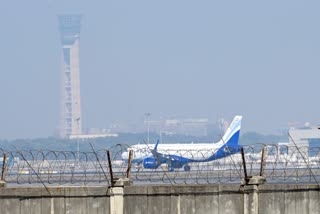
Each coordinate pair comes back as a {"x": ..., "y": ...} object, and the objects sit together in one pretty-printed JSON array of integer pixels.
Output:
[{"x": 156, "y": 146}]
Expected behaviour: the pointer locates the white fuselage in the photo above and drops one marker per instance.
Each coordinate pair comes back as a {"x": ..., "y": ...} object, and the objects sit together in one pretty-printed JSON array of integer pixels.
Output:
[{"x": 195, "y": 151}]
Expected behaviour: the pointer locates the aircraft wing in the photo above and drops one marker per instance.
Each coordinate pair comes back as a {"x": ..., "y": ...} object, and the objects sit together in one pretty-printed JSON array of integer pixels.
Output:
[{"x": 173, "y": 161}]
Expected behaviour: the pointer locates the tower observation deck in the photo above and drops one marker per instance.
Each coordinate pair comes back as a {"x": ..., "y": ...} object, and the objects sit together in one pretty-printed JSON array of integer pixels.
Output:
[{"x": 70, "y": 122}]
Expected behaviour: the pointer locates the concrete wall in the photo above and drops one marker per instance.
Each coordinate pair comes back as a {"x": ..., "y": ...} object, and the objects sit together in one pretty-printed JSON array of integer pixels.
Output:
[
  {"x": 93, "y": 200},
  {"x": 183, "y": 199},
  {"x": 215, "y": 199},
  {"x": 289, "y": 199}
]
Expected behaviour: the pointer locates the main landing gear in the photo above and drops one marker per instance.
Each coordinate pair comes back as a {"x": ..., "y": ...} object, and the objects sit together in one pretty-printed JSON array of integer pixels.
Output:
[{"x": 186, "y": 168}]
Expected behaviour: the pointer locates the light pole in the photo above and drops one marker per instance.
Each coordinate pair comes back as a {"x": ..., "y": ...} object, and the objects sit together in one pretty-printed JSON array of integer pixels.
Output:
[
  {"x": 78, "y": 149},
  {"x": 78, "y": 144},
  {"x": 148, "y": 123},
  {"x": 161, "y": 135}
]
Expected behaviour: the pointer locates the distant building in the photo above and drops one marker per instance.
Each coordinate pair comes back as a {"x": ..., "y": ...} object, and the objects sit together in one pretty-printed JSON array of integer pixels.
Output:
[
  {"x": 91, "y": 136},
  {"x": 191, "y": 127},
  {"x": 300, "y": 139}
]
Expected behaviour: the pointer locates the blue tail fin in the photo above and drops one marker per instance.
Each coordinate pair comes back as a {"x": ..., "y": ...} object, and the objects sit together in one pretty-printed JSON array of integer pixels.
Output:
[{"x": 231, "y": 137}]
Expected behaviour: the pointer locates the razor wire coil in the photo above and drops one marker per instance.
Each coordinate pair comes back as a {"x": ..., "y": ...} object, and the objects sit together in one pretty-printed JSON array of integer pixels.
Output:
[{"x": 283, "y": 164}]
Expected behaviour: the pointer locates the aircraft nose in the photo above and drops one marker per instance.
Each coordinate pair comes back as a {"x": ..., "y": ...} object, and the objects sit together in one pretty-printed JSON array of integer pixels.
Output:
[{"x": 125, "y": 155}]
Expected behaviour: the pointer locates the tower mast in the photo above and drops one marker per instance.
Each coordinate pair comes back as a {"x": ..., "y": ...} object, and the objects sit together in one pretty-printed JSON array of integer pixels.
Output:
[{"x": 69, "y": 26}]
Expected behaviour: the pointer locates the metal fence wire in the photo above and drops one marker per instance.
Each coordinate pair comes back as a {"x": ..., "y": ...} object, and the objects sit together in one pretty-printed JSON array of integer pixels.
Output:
[{"x": 282, "y": 164}]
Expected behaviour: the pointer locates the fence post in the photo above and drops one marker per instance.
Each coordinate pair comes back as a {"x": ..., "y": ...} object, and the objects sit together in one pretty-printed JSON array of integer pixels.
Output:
[
  {"x": 4, "y": 167},
  {"x": 251, "y": 186},
  {"x": 263, "y": 161},
  {"x": 116, "y": 200},
  {"x": 116, "y": 190},
  {"x": 110, "y": 167},
  {"x": 244, "y": 165},
  {"x": 4, "y": 170},
  {"x": 129, "y": 163}
]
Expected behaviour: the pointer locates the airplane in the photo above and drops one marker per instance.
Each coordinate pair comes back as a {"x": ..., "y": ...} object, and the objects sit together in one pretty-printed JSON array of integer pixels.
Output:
[{"x": 177, "y": 156}]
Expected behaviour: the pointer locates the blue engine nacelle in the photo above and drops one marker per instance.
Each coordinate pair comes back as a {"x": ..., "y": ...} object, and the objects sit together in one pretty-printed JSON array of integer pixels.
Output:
[{"x": 150, "y": 163}]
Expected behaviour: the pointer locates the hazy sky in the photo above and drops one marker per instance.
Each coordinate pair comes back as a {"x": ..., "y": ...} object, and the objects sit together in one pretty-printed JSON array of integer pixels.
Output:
[{"x": 176, "y": 58}]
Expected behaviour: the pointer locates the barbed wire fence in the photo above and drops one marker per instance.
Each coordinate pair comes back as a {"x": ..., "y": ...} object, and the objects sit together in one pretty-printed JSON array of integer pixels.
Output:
[{"x": 278, "y": 164}]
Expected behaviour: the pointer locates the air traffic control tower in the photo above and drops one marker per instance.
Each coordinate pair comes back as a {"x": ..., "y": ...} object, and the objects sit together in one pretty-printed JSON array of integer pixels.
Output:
[{"x": 70, "y": 122}]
